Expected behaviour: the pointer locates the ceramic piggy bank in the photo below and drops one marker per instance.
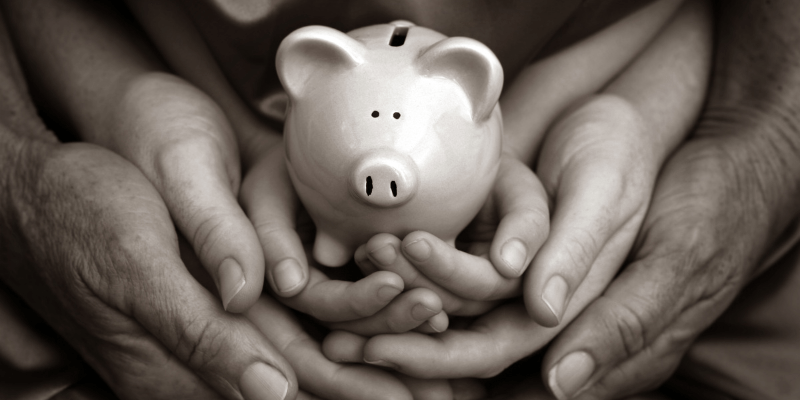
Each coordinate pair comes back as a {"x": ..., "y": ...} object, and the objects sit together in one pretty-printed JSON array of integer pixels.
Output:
[{"x": 390, "y": 128}]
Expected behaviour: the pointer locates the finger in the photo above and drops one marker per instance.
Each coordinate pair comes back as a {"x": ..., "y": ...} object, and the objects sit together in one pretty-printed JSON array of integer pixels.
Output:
[
  {"x": 463, "y": 274},
  {"x": 634, "y": 330},
  {"x": 468, "y": 389},
  {"x": 601, "y": 189},
  {"x": 225, "y": 350},
  {"x": 382, "y": 252},
  {"x": 406, "y": 312},
  {"x": 190, "y": 155},
  {"x": 269, "y": 199},
  {"x": 435, "y": 324},
  {"x": 314, "y": 372},
  {"x": 344, "y": 347},
  {"x": 524, "y": 218},
  {"x": 685, "y": 275},
  {"x": 335, "y": 301},
  {"x": 483, "y": 350},
  {"x": 427, "y": 389},
  {"x": 363, "y": 262},
  {"x": 303, "y": 395}
]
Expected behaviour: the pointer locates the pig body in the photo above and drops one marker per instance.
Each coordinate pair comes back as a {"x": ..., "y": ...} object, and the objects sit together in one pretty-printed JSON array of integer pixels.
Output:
[{"x": 381, "y": 137}]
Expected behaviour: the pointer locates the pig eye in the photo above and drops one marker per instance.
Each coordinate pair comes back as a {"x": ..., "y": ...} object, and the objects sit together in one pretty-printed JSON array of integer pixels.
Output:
[
  {"x": 375, "y": 114},
  {"x": 395, "y": 115}
]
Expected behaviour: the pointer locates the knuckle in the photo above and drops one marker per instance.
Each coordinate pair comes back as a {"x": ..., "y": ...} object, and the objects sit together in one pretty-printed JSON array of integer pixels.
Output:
[
  {"x": 213, "y": 226},
  {"x": 200, "y": 342},
  {"x": 581, "y": 251},
  {"x": 533, "y": 219},
  {"x": 629, "y": 326},
  {"x": 178, "y": 150}
]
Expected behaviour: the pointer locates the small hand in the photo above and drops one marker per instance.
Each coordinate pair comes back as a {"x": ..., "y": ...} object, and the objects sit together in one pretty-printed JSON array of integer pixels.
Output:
[
  {"x": 371, "y": 305},
  {"x": 499, "y": 245}
]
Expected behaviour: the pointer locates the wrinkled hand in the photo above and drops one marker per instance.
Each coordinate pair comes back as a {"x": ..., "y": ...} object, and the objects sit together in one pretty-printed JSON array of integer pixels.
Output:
[
  {"x": 183, "y": 144},
  {"x": 713, "y": 213},
  {"x": 89, "y": 244}
]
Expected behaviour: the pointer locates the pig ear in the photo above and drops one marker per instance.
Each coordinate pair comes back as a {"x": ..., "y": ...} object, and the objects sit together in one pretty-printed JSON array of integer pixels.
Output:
[
  {"x": 472, "y": 65},
  {"x": 312, "y": 51}
]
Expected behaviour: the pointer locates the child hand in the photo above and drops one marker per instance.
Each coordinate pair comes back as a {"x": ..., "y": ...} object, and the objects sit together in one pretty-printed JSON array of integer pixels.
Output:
[
  {"x": 499, "y": 245},
  {"x": 369, "y": 306}
]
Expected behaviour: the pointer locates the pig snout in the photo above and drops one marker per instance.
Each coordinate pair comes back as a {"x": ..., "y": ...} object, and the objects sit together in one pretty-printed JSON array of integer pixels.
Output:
[{"x": 384, "y": 179}]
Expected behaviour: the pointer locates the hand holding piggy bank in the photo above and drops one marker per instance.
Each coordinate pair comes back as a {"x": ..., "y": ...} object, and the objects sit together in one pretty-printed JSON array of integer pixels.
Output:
[{"x": 390, "y": 128}]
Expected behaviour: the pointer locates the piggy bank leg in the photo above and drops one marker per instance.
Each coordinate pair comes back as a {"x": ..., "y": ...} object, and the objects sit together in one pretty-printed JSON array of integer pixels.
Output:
[{"x": 330, "y": 252}]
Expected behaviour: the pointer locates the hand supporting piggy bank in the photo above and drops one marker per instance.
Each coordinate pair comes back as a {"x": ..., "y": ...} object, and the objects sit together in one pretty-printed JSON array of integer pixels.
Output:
[{"x": 390, "y": 128}]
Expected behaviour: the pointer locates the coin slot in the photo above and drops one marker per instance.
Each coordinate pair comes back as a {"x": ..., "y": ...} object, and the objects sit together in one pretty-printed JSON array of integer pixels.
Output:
[{"x": 398, "y": 36}]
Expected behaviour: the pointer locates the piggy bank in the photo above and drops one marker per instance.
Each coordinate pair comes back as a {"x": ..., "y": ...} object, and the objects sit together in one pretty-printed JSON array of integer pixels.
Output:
[{"x": 389, "y": 128}]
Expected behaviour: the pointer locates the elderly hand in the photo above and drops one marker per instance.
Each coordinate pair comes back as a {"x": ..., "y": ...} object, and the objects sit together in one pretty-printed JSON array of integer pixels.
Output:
[
  {"x": 719, "y": 204},
  {"x": 90, "y": 246}
]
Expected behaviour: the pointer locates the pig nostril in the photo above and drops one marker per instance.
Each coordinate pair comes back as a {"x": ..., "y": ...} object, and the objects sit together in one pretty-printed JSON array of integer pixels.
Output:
[
  {"x": 394, "y": 189},
  {"x": 369, "y": 185}
]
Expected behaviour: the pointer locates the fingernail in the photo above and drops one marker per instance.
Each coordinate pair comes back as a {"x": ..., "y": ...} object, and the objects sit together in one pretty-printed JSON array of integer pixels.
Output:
[
  {"x": 555, "y": 295},
  {"x": 385, "y": 255},
  {"x": 287, "y": 275},
  {"x": 261, "y": 381},
  {"x": 381, "y": 363},
  {"x": 231, "y": 280},
  {"x": 420, "y": 312},
  {"x": 514, "y": 253},
  {"x": 387, "y": 293},
  {"x": 570, "y": 375},
  {"x": 418, "y": 250},
  {"x": 439, "y": 322}
]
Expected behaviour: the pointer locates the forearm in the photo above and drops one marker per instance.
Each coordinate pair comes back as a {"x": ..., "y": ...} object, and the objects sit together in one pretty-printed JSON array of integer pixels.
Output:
[
  {"x": 83, "y": 58},
  {"x": 666, "y": 85},
  {"x": 542, "y": 92},
  {"x": 753, "y": 103}
]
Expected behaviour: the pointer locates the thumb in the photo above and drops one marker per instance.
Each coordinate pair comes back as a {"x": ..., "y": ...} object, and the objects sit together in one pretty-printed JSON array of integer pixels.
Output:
[
  {"x": 688, "y": 269},
  {"x": 185, "y": 146},
  {"x": 223, "y": 349}
]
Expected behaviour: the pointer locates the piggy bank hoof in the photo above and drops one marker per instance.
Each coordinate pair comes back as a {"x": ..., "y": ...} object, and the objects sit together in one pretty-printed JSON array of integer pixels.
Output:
[{"x": 330, "y": 252}]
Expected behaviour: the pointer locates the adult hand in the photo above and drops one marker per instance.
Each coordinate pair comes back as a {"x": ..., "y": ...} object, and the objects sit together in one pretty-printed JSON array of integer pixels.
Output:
[
  {"x": 720, "y": 203},
  {"x": 600, "y": 161},
  {"x": 90, "y": 246}
]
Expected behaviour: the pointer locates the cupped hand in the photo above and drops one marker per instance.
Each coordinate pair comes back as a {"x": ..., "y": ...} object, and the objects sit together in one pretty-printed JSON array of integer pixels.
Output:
[
  {"x": 89, "y": 244},
  {"x": 494, "y": 250},
  {"x": 182, "y": 142},
  {"x": 713, "y": 214}
]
